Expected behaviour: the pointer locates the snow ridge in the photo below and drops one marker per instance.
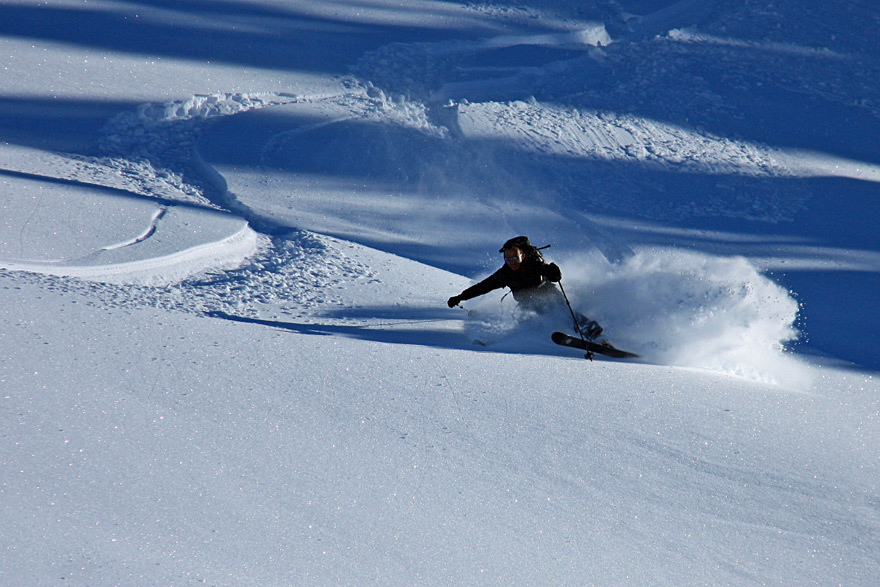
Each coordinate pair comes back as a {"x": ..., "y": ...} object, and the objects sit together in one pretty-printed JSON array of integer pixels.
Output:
[{"x": 164, "y": 133}]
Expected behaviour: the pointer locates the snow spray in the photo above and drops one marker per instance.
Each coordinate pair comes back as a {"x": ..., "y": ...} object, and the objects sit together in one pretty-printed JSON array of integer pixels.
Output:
[{"x": 689, "y": 309}]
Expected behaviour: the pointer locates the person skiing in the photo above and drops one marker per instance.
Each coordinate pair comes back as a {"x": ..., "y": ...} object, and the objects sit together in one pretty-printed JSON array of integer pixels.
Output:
[{"x": 531, "y": 280}]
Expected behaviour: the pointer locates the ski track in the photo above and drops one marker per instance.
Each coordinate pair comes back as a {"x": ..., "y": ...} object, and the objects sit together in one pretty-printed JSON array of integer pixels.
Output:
[
  {"x": 150, "y": 231},
  {"x": 278, "y": 275}
]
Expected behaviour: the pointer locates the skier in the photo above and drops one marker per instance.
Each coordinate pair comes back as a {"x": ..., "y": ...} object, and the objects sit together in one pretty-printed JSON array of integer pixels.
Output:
[{"x": 531, "y": 280}]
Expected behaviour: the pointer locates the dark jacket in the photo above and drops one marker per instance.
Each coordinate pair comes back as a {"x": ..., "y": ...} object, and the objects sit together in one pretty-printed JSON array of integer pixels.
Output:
[{"x": 529, "y": 284}]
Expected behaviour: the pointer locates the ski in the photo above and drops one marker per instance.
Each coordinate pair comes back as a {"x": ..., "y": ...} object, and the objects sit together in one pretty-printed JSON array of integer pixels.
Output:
[{"x": 603, "y": 348}]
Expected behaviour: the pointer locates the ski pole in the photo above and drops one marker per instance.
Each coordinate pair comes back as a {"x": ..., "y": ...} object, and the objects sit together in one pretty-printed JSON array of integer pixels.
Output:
[
  {"x": 573, "y": 317},
  {"x": 589, "y": 354}
]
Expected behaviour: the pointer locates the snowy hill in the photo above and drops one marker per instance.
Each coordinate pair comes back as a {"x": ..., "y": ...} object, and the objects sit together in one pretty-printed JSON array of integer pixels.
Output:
[{"x": 229, "y": 233}]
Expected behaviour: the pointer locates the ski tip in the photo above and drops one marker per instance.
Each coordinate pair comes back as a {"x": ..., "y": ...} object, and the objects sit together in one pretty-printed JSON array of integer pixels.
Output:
[{"x": 560, "y": 337}]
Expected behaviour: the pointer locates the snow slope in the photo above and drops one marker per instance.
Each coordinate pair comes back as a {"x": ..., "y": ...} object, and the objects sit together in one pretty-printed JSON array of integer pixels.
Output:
[
  {"x": 352, "y": 456},
  {"x": 230, "y": 228}
]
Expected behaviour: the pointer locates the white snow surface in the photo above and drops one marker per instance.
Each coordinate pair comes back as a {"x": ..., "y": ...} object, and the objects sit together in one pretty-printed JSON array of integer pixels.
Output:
[{"x": 229, "y": 230}]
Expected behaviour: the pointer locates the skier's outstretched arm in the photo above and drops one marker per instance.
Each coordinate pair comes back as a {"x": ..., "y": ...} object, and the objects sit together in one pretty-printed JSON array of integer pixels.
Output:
[{"x": 494, "y": 281}]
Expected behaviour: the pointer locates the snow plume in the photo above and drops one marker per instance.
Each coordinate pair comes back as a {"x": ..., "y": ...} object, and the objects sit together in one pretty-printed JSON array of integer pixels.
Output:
[{"x": 692, "y": 310}]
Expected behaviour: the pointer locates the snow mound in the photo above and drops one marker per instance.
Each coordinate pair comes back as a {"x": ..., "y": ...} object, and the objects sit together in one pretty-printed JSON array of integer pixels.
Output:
[{"x": 111, "y": 235}]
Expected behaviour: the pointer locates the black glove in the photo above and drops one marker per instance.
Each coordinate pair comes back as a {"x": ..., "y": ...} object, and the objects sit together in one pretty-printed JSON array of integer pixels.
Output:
[
  {"x": 553, "y": 272},
  {"x": 454, "y": 301}
]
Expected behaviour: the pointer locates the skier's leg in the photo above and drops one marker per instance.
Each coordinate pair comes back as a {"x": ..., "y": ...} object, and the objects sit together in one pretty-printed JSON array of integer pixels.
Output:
[
  {"x": 553, "y": 297},
  {"x": 589, "y": 328}
]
